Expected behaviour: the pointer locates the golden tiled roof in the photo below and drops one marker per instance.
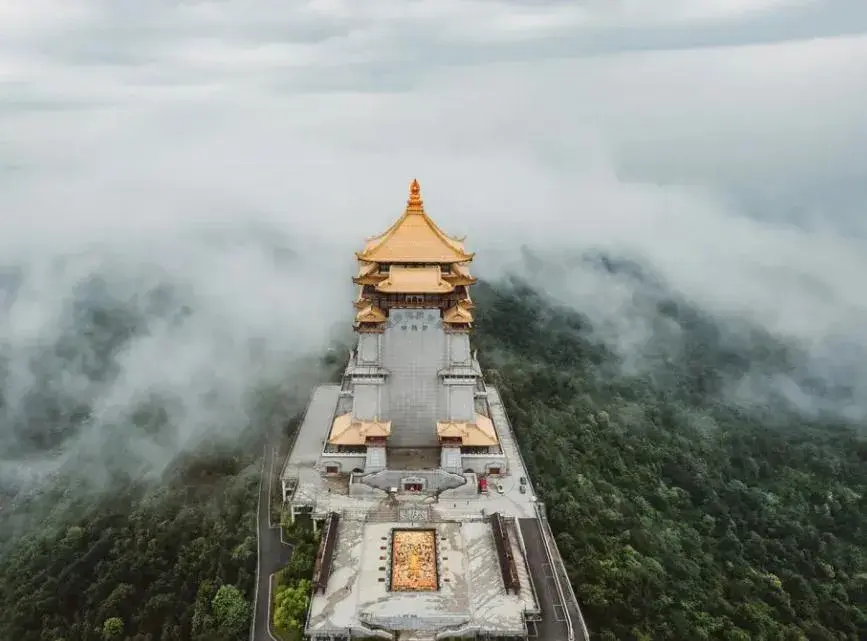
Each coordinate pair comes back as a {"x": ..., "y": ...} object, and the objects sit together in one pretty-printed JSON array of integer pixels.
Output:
[
  {"x": 458, "y": 314},
  {"x": 480, "y": 433},
  {"x": 414, "y": 238},
  {"x": 370, "y": 314},
  {"x": 368, "y": 274},
  {"x": 348, "y": 431},
  {"x": 461, "y": 270},
  {"x": 365, "y": 269},
  {"x": 415, "y": 280},
  {"x": 360, "y": 301},
  {"x": 460, "y": 275}
]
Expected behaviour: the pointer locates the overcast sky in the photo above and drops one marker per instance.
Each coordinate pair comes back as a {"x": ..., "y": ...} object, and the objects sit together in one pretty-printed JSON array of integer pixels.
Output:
[{"x": 721, "y": 141}]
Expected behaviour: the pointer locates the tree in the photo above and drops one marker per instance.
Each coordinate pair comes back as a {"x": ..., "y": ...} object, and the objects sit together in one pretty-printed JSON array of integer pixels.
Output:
[
  {"x": 231, "y": 610},
  {"x": 290, "y": 606},
  {"x": 112, "y": 628}
]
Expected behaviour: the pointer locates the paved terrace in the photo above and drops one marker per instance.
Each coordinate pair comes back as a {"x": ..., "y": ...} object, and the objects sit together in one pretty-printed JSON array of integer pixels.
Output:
[
  {"x": 512, "y": 502},
  {"x": 314, "y": 430},
  {"x": 339, "y": 607},
  {"x": 313, "y": 488},
  {"x": 471, "y": 594}
]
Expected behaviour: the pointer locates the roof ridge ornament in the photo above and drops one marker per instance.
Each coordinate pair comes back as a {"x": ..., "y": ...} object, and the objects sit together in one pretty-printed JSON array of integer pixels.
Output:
[{"x": 415, "y": 203}]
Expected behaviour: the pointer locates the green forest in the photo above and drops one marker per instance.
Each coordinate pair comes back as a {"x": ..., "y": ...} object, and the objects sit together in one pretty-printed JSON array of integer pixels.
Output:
[
  {"x": 679, "y": 514},
  {"x": 169, "y": 561}
]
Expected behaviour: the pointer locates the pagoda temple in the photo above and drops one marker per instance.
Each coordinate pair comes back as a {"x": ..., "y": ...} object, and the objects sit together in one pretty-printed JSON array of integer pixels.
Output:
[
  {"x": 413, "y": 378},
  {"x": 430, "y": 525}
]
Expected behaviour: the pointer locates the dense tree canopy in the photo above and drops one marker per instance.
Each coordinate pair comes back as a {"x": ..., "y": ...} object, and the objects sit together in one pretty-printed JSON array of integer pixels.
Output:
[
  {"x": 293, "y": 583},
  {"x": 172, "y": 562},
  {"x": 680, "y": 515}
]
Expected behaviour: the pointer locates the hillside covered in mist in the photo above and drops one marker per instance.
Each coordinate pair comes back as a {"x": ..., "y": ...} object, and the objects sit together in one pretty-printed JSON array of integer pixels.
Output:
[{"x": 693, "y": 495}]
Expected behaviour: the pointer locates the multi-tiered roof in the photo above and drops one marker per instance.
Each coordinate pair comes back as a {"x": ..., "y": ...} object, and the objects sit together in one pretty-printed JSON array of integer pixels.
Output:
[{"x": 413, "y": 263}]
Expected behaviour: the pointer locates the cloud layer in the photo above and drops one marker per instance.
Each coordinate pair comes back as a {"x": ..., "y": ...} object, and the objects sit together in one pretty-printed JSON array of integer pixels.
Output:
[{"x": 235, "y": 152}]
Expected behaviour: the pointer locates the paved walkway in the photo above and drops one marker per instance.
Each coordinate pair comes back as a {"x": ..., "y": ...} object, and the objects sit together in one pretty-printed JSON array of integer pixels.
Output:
[
  {"x": 553, "y": 626},
  {"x": 273, "y": 553}
]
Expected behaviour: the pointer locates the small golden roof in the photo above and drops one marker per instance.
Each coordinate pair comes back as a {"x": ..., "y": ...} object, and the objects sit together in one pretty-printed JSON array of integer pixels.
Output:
[
  {"x": 415, "y": 280},
  {"x": 365, "y": 269},
  {"x": 459, "y": 275},
  {"x": 480, "y": 433},
  {"x": 369, "y": 274},
  {"x": 458, "y": 314},
  {"x": 370, "y": 314},
  {"x": 461, "y": 270},
  {"x": 360, "y": 301},
  {"x": 349, "y": 431}
]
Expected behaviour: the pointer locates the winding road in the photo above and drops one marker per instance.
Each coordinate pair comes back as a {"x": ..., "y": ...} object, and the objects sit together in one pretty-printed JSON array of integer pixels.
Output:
[{"x": 273, "y": 552}]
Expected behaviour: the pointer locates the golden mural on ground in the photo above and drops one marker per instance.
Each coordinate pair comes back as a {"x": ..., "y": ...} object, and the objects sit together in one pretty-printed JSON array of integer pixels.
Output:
[{"x": 414, "y": 560}]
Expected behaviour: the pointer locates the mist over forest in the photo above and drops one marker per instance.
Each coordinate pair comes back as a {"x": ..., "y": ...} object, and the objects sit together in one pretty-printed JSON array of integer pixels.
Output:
[
  {"x": 672, "y": 197},
  {"x": 114, "y": 364},
  {"x": 112, "y": 361}
]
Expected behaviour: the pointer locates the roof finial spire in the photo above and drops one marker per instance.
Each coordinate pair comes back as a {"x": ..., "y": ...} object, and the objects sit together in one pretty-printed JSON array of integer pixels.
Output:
[{"x": 414, "y": 203}]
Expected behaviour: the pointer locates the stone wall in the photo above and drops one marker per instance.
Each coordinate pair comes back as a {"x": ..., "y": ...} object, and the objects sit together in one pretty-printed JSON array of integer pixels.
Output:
[
  {"x": 345, "y": 462},
  {"x": 480, "y": 463},
  {"x": 433, "y": 480}
]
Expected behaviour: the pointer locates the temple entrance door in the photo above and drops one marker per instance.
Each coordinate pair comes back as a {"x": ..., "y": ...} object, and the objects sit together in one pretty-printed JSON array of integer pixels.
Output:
[{"x": 412, "y": 487}]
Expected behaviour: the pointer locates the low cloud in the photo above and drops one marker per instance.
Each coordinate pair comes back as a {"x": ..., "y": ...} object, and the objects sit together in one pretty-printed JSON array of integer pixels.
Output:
[{"x": 204, "y": 170}]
